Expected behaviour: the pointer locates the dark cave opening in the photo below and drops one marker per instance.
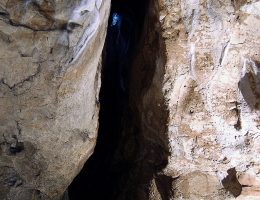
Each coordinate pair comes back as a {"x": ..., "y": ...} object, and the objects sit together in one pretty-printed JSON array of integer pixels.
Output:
[{"x": 101, "y": 176}]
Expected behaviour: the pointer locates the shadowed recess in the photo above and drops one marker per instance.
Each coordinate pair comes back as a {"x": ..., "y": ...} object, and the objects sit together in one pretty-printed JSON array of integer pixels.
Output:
[
  {"x": 231, "y": 184},
  {"x": 99, "y": 178}
]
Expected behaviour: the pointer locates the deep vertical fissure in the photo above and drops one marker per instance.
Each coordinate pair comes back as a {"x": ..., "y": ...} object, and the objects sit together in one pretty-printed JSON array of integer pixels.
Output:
[{"x": 103, "y": 175}]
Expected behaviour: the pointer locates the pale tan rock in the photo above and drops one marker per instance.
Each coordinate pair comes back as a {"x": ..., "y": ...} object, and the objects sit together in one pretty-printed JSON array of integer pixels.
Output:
[
  {"x": 49, "y": 86},
  {"x": 206, "y": 67},
  {"x": 212, "y": 90},
  {"x": 195, "y": 98}
]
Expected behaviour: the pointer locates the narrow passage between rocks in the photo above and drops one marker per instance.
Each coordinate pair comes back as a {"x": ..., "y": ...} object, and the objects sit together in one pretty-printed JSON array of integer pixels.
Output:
[{"x": 99, "y": 179}]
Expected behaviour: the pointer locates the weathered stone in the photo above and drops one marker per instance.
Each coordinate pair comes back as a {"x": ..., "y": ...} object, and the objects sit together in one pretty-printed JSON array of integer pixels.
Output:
[
  {"x": 199, "y": 66},
  {"x": 193, "y": 126},
  {"x": 211, "y": 89},
  {"x": 49, "y": 85}
]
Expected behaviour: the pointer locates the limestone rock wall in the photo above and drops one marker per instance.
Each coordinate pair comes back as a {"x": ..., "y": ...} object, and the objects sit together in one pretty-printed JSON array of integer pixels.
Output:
[
  {"x": 211, "y": 87},
  {"x": 194, "y": 125},
  {"x": 49, "y": 84},
  {"x": 194, "y": 129}
]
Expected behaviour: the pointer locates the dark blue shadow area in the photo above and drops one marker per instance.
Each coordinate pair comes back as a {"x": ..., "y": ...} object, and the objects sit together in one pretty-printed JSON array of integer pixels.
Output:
[{"x": 99, "y": 179}]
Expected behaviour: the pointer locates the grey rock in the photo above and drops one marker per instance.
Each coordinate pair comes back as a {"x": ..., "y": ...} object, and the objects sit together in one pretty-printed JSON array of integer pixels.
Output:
[{"x": 48, "y": 88}]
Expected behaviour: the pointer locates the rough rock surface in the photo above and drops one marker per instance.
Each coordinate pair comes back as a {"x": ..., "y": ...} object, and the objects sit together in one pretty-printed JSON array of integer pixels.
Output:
[
  {"x": 49, "y": 84},
  {"x": 193, "y": 127},
  {"x": 206, "y": 63}
]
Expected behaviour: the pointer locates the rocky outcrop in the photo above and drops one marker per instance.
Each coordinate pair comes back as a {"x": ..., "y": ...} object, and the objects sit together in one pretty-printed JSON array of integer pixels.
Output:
[
  {"x": 49, "y": 85},
  {"x": 199, "y": 66},
  {"x": 192, "y": 126}
]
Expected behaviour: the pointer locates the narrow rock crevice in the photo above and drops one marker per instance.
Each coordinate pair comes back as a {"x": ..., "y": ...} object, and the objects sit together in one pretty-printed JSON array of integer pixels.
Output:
[{"x": 132, "y": 145}]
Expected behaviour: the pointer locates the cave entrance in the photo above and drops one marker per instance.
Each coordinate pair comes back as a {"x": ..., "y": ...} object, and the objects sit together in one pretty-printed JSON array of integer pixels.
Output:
[{"x": 101, "y": 177}]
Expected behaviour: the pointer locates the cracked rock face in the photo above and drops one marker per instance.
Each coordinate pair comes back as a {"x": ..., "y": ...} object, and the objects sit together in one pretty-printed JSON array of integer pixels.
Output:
[
  {"x": 49, "y": 84},
  {"x": 196, "y": 95},
  {"x": 212, "y": 92}
]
